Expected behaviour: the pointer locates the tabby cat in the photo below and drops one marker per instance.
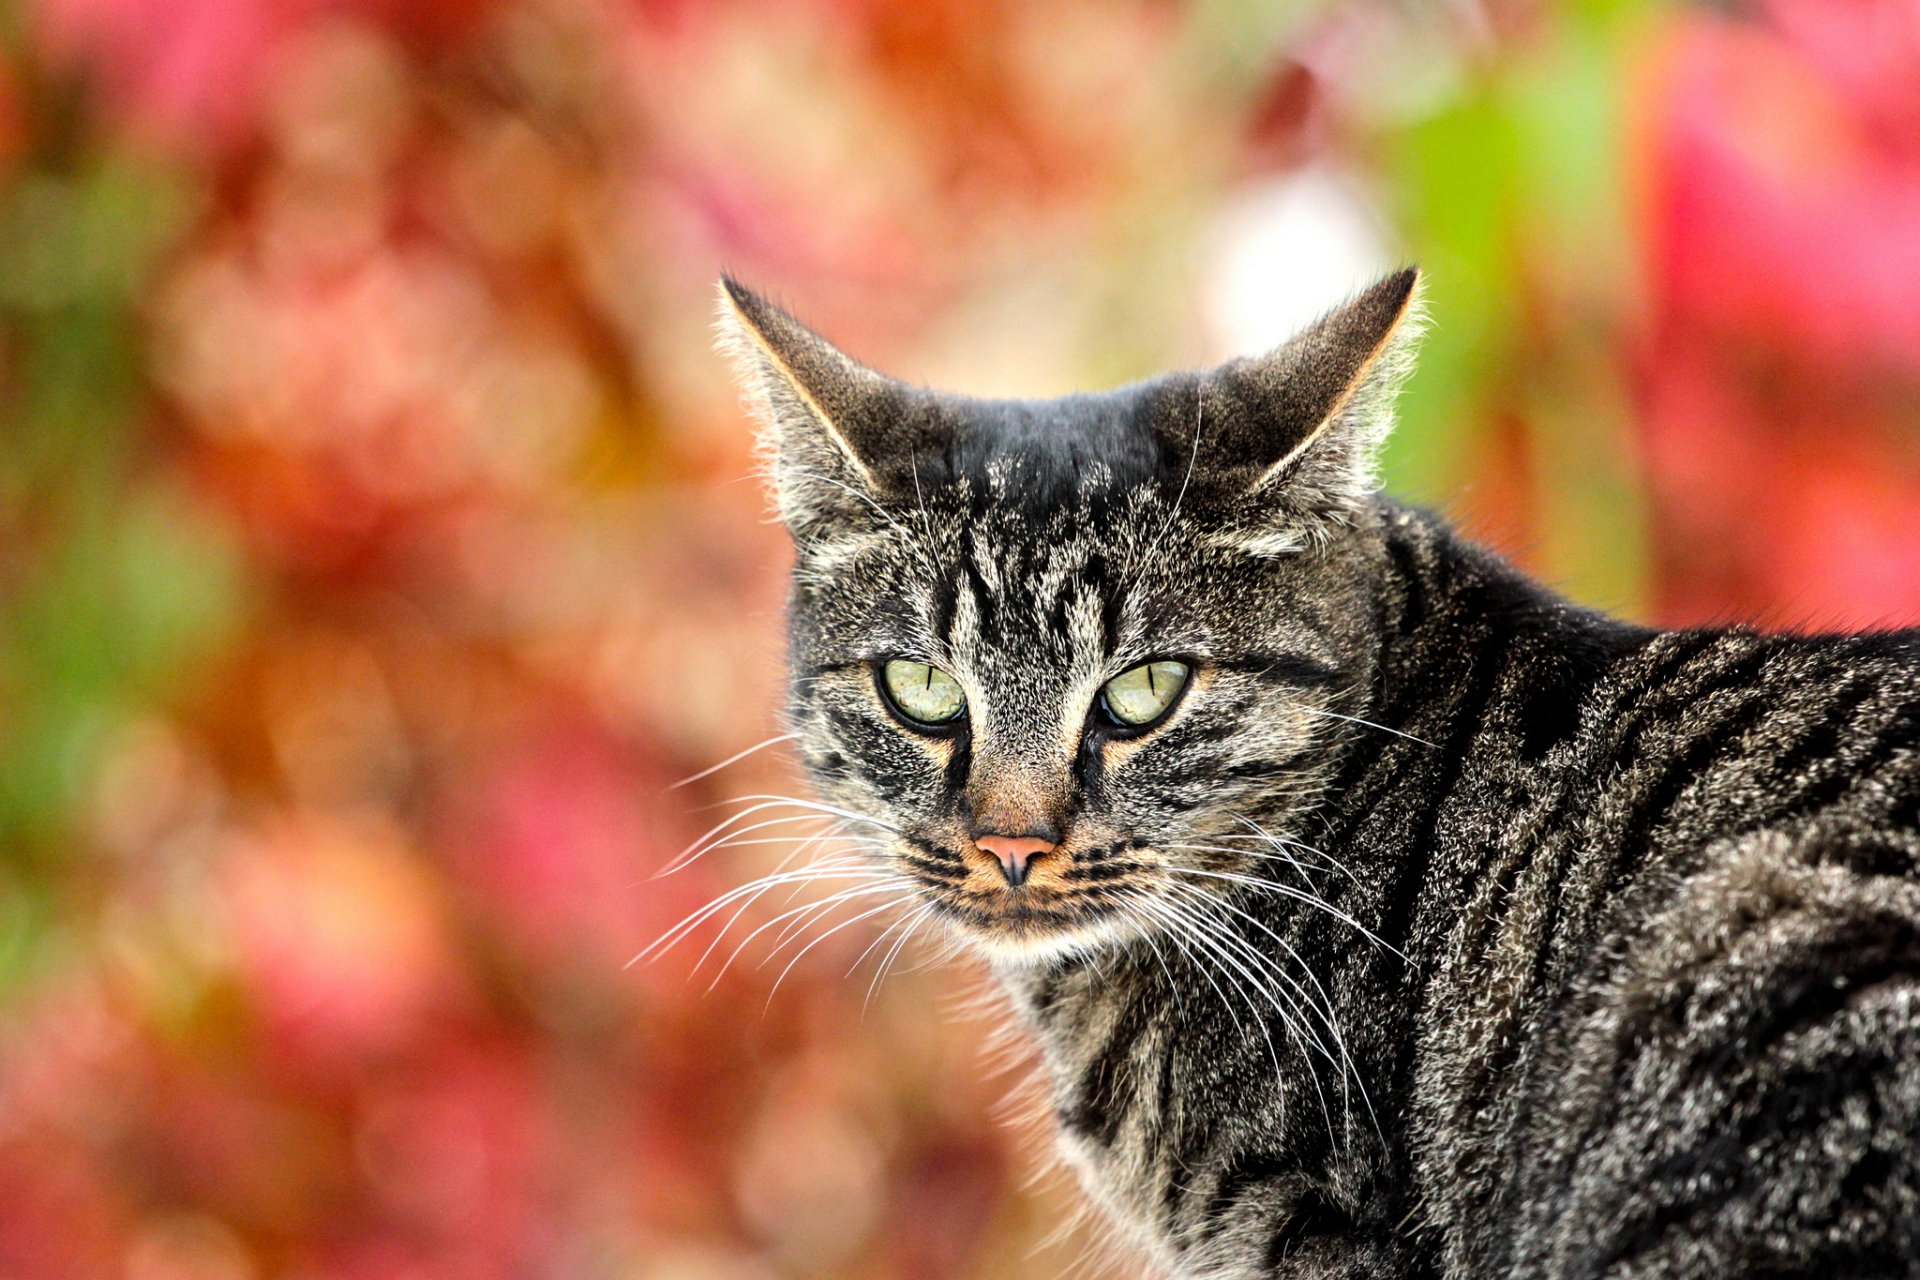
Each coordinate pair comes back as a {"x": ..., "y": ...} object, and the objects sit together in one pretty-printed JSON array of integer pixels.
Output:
[{"x": 1377, "y": 912}]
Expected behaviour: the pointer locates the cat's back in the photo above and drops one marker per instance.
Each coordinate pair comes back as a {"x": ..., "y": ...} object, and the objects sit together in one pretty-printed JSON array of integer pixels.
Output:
[
  {"x": 1717, "y": 1067},
  {"x": 1689, "y": 882},
  {"x": 1725, "y": 730},
  {"x": 1713, "y": 732}
]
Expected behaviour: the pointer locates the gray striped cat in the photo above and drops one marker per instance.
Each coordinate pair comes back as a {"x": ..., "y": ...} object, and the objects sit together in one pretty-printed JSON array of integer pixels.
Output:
[{"x": 1376, "y": 911}]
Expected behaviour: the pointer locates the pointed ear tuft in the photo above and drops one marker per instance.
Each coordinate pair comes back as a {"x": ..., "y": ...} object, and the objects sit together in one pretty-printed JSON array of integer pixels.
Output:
[
  {"x": 1307, "y": 420},
  {"x": 825, "y": 418}
]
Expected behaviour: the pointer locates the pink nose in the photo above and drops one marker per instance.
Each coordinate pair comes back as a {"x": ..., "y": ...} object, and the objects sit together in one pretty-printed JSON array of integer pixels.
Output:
[{"x": 1015, "y": 852}]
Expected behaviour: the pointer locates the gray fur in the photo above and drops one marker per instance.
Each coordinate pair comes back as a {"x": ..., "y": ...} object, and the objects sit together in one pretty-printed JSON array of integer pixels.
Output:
[{"x": 1444, "y": 928}]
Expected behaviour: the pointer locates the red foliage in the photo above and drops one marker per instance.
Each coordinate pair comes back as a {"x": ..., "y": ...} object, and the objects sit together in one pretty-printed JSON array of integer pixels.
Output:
[{"x": 1782, "y": 371}]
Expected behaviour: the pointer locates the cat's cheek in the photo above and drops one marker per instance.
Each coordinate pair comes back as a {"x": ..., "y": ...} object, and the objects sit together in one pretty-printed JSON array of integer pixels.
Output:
[{"x": 859, "y": 760}]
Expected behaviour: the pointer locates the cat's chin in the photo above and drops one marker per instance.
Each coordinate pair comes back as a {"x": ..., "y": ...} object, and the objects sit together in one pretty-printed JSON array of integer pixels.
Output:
[{"x": 1034, "y": 946}]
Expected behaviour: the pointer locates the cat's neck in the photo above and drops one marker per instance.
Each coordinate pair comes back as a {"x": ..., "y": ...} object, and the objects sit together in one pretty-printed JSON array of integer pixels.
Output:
[
  {"x": 1453, "y": 616},
  {"x": 1483, "y": 680},
  {"x": 1433, "y": 579}
]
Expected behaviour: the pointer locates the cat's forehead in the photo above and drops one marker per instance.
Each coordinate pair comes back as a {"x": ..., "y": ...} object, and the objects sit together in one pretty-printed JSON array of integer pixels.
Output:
[
  {"x": 1032, "y": 614},
  {"x": 1056, "y": 460},
  {"x": 1022, "y": 526},
  {"x": 1055, "y": 576}
]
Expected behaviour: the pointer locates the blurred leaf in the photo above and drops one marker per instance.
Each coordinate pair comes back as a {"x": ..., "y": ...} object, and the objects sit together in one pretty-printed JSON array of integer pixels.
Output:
[
  {"x": 110, "y": 582},
  {"x": 1513, "y": 198}
]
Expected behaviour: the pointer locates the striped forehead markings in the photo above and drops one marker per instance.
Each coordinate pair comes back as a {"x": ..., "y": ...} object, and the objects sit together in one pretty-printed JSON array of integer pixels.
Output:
[{"x": 1060, "y": 595}]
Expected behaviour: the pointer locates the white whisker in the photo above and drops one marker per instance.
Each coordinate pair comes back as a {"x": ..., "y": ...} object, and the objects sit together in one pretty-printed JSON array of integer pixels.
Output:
[
  {"x": 832, "y": 868},
  {"x": 1273, "y": 886},
  {"x": 760, "y": 804},
  {"x": 1260, "y": 832},
  {"x": 735, "y": 758},
  {"x": 1324, "y": 1007},
  {"x": 844, "y": 924},
  {"x": 808, "y": 913},
  {"x": 1398, "y": 733}
]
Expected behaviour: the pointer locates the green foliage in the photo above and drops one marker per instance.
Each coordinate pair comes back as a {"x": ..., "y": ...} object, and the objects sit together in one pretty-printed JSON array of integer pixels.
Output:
[
  {"x": 1510, "y": 193},
  {"x": 111, "y": 584}
]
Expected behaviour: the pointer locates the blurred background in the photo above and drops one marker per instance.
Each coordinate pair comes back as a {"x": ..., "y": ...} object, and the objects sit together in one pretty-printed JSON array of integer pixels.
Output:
[{"x": 379, "y": 545}]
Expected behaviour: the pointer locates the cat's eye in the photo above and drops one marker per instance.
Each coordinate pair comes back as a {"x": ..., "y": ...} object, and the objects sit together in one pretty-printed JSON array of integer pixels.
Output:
[
  {"x": 1141, "y": 695},
  {"x": 923, "y": 693}
]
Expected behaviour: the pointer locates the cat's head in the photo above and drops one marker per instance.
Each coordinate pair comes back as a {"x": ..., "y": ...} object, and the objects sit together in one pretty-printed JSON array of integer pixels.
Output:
[{"x": 1069, "y": 664}]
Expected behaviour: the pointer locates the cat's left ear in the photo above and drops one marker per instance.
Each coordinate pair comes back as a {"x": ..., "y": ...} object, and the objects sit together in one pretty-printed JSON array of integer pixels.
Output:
[{"x": 1302, "y": 426}]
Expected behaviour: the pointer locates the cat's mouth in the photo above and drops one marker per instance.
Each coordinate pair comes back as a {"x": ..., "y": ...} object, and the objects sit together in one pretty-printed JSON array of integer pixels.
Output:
[
  {"x": 1061, "y": 899},
  {"x": 1023, "y": 928}
]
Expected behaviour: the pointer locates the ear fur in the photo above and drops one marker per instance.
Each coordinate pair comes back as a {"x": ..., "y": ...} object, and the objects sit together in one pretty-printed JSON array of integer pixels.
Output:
[
  {"x": 1289, "y": 442},
  {"x": 827, "y": 421},
  {"x": 1299, "y": 430}
]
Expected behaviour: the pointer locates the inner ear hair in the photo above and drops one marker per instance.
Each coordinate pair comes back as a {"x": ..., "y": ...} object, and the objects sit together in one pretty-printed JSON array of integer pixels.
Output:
[
  {"x": 788, "y": 370},
  {"x": 1354, "y": 358}
]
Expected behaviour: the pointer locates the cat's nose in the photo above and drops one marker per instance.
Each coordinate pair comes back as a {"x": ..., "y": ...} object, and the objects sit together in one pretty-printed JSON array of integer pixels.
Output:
[{"x": 1014, "y": 853}]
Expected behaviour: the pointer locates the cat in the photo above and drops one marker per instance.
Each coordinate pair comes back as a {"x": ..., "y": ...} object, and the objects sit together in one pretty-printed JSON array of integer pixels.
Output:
[{"x": 1376, "y": 911}]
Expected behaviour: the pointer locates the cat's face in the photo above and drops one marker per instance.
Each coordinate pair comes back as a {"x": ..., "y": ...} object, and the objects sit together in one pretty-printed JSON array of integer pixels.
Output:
[{"x": 1068, "y": 664}]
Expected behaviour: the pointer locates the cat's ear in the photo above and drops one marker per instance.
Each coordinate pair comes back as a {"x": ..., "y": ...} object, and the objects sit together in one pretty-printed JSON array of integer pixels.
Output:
[
  {"x": 1302, "y": 425},
  {"x": 835, "y": 433}
]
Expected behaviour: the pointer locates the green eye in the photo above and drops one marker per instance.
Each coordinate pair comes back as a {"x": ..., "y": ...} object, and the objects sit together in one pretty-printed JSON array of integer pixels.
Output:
[
  {"x": 923, "y": 694},
  {"x": 1140, "y": 696}
]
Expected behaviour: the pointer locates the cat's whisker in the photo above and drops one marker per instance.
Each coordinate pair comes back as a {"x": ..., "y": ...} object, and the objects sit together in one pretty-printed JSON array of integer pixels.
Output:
[
  {"x": 735, "y": 758},
  {"x": 896, "y": 901},
  {"x": 871, "y": 851},
  {"x": 1148, "y": 936},
  {"x": 1183, "y": 931},
  {"x": 865, "y": 845},
  {"x": 879, "y": 940},
  {"x": 800, "y": 918},
  {"x": 1226, "y": 943},
  {"x": 1227, "y": 937},
  {"x": 819, "y": 807},
  {"x": 760, "y": 804},
  {"x": 1277, "y": 856},
  {"x": 851, "y": 850},
  {"x": 1170, "y": 919},
  {"x": 1188, "y": 928},
  {"x": 954, "y": 945},
  {"x": 807, "y": 913},
  {"x": 803, "y": 912},
  {"x": 802, "y": 841},
  {"x": 830, "y": 868},
  {"x": 1274, "y": 886},
  {"x": 913, "y": 923},
  {"x": 856, "y": 855},
  {"x": 1398, "y": 733},
  {"x": 750, "y": 893},
  {"x": 1208, "y": 901},
  {"x": 822, "y": 867},
  {"x": 1259, "y": 832},
  {"x": 726, "y": 830},
  {"x": 798, "y": 915},
  {"x": 1235, "y": 854},
  {"x": 1332, "y": 1022},
  {"x": 821, "y": 908},
  {"x": 1324, "y": 1007}
]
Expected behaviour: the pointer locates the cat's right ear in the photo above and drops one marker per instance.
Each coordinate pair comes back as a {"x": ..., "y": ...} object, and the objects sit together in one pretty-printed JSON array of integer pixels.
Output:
[{"x": 830, "y": 426}]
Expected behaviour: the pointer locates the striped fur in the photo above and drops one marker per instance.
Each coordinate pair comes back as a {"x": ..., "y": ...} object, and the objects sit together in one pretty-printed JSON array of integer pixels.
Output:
[{"x": 1446, "y": 928}]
